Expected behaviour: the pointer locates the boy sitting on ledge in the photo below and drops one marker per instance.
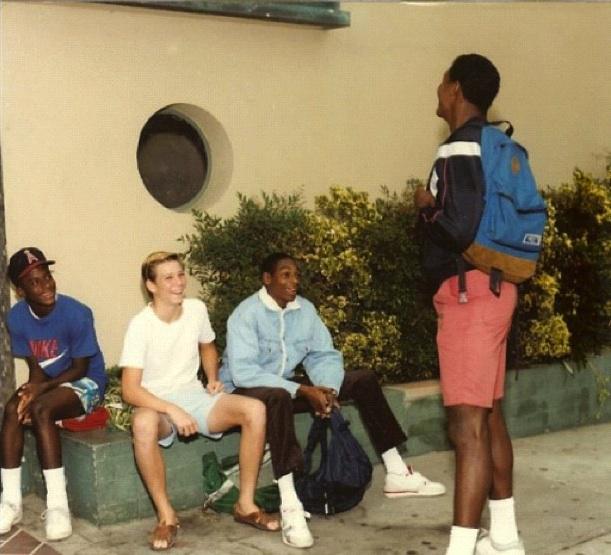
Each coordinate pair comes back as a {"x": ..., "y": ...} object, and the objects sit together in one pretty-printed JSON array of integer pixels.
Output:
[
  {"x": 56, "y": 336},
  {"x": 164, "y": 345}
]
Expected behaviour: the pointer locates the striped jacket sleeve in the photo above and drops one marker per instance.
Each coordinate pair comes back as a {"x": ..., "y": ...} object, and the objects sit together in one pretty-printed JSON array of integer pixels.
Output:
[{"x": 457, "y": 183}]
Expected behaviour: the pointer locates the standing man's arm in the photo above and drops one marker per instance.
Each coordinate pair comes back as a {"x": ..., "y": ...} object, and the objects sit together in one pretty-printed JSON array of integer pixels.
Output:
[{"x": 451, "y": 221}]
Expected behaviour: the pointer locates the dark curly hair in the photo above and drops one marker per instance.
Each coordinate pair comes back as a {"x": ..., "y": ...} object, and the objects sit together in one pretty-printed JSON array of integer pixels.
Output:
[{"x": 478, "y": 78}]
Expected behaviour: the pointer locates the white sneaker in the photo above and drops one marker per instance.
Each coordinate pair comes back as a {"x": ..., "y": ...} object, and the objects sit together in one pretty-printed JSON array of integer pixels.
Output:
[
  {"x": 57, "y": 525},
  {"x": 9, "y": 515},
  {"x": 486, "y": 546},
  {"x": 295, "y": 531},
  {"x": 411, "y": 484}
]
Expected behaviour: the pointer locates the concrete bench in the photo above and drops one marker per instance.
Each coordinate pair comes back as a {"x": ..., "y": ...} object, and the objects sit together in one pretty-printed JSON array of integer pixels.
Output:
[{"x": 104, "y": 486}]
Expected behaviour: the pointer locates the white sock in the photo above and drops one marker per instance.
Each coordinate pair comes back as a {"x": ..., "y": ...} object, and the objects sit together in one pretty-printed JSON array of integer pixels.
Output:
[
  {"x": 462, "y": 541},
  {"x": 56, "y": 488},
  {"x": 503, "y": 528},
  {"x": 393, "y": 462},
  {"x": 288, "y": 495},
  {"x": 11, "y": 485}
]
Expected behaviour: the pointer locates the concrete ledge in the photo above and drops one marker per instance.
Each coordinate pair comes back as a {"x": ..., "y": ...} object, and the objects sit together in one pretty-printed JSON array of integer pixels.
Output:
[{"x": 105, "y": 488}]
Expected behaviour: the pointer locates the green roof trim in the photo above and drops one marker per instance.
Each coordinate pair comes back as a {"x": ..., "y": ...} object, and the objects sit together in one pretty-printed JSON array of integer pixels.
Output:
[{"x": 322, "y": 14}]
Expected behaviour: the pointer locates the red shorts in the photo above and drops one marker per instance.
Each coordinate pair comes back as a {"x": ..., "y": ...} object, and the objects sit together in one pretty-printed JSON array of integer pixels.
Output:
[{"x": 472, "y": 340}]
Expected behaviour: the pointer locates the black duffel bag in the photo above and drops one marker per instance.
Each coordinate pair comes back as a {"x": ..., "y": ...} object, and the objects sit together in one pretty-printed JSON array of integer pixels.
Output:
[{"x": 344, "y": 472}]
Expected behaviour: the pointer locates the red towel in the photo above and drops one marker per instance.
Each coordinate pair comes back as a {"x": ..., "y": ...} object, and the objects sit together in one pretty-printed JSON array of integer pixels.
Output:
[{"x": 93, "y": 421}]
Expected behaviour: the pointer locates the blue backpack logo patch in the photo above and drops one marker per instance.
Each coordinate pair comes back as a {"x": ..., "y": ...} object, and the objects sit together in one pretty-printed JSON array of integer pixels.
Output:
[{"x": 509, "y": 238}]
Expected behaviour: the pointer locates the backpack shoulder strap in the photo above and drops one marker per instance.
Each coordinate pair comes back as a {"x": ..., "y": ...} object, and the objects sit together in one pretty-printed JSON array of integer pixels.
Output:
[
  {"x": 337, "y": 421},
  {"x": 497, "y": 123},
  {"x": 316, "y": 436}
]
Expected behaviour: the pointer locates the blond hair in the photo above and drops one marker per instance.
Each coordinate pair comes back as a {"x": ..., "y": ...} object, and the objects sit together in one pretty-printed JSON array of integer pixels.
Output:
[{"x": 149, "y": 266}]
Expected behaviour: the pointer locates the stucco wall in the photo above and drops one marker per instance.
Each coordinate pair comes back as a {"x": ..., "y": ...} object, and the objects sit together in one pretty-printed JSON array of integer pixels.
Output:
[{"x": 300, "y": 107}]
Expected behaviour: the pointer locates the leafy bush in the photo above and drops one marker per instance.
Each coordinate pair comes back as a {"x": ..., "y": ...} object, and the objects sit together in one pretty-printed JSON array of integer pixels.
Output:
[
  {"x": 540, "y": 331},
  {"x": 360, "y": 266},
  {"x": 579, "y": 258},
  {"x": 224, "y": 255},
  {"x": 120, "y": 412}
]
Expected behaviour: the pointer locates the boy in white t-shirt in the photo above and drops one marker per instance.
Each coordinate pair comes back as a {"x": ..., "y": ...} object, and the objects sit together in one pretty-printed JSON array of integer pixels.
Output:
[{"x": 163, "y": 348}]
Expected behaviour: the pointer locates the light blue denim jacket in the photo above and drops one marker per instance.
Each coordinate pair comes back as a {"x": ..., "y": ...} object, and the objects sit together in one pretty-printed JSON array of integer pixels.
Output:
[{"x": 265, "y": 343}]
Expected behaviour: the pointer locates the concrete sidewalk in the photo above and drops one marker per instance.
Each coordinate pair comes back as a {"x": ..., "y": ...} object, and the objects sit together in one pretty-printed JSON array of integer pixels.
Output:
[{"x": 562, "y": 490}]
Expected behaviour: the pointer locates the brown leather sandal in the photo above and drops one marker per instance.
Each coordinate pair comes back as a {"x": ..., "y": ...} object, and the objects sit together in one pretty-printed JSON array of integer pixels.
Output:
[
  {"x": 164, "y": 532},
  {"x": 259, "y": 519}
]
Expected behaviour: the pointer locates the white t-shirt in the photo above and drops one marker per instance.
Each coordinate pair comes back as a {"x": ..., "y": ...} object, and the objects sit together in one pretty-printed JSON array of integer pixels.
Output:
[{"x": 168, "y": 354}]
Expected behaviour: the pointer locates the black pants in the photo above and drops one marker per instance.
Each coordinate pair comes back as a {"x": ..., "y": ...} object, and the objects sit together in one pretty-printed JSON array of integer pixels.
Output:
[{"x": 361, "y": 386}]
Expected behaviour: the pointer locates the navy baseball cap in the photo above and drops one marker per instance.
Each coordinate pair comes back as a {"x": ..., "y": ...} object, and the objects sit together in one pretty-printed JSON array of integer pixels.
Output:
[{"x": 24, "y": 261}]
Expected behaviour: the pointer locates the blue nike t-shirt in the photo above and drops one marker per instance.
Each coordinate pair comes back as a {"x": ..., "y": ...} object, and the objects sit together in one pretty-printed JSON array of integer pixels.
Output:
[{"x": 54, "y": 340}]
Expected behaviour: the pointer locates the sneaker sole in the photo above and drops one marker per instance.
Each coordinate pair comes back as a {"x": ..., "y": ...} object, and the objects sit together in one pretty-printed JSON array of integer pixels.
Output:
[
  {"x": 392, "y": 494},
  {"x": 484, "y": 547},
  {"x": 59, "y": 537},
  {"x": 15, "y": 522},
  {"x": 286, "y": 542},
  {"x": 499, "y": 552}
]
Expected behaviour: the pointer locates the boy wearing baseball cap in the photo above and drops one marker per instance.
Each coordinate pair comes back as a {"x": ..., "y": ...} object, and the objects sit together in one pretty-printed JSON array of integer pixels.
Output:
[{"x": 56, "y": 337}]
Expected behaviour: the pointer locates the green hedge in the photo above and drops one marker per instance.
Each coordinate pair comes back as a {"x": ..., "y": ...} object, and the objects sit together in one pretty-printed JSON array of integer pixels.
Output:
[
  {"x": 566, "y": 307},
  {"x": 360, "y": 266}
]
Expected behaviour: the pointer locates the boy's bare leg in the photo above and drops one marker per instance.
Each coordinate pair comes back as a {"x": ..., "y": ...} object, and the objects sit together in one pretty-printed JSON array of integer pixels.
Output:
[
  {"x": 468, "y": 431},
  {"x": 148, "y": 426},
  {"x": 502, "y": 454},
  {"x": 237, "y": 410},
  {"x": 11, "y": 436},
  {"x": 56, "y": 404}
]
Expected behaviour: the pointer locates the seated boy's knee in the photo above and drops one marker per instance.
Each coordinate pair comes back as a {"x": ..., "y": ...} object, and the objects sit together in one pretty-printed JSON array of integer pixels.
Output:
[
  {"x": 361, "y": 382},
  {"x": 145, "y": 423},
  {"x": 278, "y": 395},
  {"x": 366, "y": 377},
  {"x": 10, "y": 409},
  {"x": 39, "y": 411},
  {"x": 256, "y": 411}
]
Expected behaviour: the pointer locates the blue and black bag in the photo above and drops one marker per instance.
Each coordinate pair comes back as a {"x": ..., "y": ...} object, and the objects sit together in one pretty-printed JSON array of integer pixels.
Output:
[
  {"x": 509, "y": 238},
  {"x": 344, "y": 473}
]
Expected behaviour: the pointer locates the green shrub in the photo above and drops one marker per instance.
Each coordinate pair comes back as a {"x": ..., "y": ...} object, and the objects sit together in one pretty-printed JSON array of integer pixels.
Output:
[
  {"x": 541, "y": 332},
  {"x": 583, "y": 209},
  {"x": 224, "y": 255},
  {"x": 361, "y": 267},
  {"x": 120, "y": 412},
  {"x": 565, "y": 309}
]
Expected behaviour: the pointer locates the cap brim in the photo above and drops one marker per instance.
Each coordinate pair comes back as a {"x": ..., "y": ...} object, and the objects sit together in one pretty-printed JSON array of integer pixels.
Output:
[{"x": 35, "y": 265}]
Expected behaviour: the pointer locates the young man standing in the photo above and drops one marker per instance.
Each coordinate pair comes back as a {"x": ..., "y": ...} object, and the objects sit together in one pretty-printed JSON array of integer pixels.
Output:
[
  {"x": 164, "y": 346},
  {"x": 472, "y": 335},
  {"x": 268, "y": 335},
  {"x": 56, "y": 336}
]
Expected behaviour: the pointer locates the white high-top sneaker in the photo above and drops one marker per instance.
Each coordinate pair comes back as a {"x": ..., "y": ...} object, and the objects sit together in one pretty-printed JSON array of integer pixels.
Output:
[{"x": 295, "y": 531}]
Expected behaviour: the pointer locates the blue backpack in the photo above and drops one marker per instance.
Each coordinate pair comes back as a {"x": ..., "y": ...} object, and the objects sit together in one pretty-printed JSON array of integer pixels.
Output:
[
  {"x": 344, "y": 472},
  {"x": 509, "y": 238}
]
